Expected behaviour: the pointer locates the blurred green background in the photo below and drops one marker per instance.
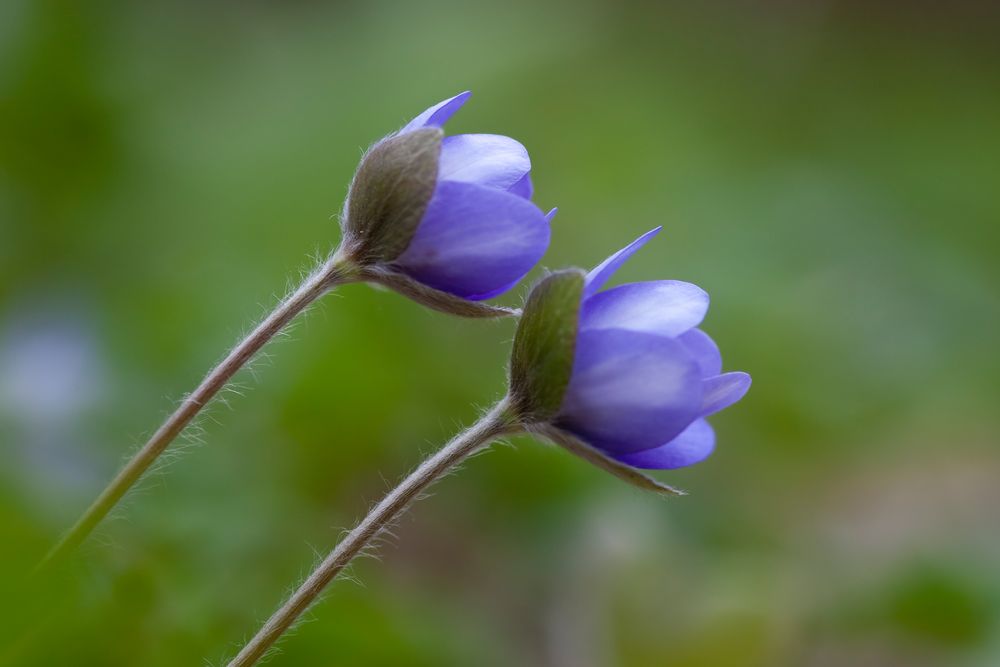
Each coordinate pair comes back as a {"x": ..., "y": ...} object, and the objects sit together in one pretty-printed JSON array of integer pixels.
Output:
[{"x": 826, "y": 170}]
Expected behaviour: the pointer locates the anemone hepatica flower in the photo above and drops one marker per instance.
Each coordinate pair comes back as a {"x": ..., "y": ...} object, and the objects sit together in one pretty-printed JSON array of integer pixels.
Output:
[
  {"x": 641, "y": 377},
  {"x": 452, "y": 213},
  {"x": 445, "y": 221},
  {"x": 622, "y": 378}
]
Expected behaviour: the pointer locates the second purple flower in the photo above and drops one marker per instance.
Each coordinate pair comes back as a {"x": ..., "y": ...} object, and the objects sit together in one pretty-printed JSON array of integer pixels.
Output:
[{"x": 625, "y": 370}]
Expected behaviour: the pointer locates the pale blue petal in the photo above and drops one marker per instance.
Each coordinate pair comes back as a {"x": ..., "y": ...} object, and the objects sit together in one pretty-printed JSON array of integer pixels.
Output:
[{"x": 665, "y": 307}]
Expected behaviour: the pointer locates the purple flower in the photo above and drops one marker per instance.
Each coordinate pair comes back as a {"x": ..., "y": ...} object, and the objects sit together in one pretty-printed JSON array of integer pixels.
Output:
[
  {"x": 466, "y": 220},
  {"x": 644, "y": 376},
  {"x": 627, "y": 371}
]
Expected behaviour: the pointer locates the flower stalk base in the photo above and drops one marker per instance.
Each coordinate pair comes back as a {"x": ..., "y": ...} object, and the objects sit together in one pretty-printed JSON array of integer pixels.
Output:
[{"x": 495, "y": 424}]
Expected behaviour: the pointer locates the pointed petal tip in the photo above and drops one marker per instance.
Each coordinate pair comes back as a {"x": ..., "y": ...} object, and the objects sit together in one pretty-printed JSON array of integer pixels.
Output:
[
  {"x": 447, "y": 108},
  {"x": 551, "y": 214},
  {"x": 644, "y": 238},
  {"x": 438, "y": 114},
  {"x": 455, "y": 103},
  {"x": 603, "y": 271}
]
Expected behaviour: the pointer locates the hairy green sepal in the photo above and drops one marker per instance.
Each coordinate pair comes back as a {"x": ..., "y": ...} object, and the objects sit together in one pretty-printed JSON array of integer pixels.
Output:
[
  {"x": 390, "y": 193},
  {"x": 542, "y": 358}
]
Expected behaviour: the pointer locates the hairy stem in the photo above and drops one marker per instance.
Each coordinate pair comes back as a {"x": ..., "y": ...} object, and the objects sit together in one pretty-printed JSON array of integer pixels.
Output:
[
  {"x": 334, "y": 272},
  {"x": 496, "y": 423}
]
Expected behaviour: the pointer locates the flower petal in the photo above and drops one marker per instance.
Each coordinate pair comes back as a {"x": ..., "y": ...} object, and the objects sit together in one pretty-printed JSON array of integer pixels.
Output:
[
  {"x": 693, "y": 445},
  {"x": 475, "y": 241},
  {"x": 665, "y": 307},
  {"x": 500, "y": 290},
  {"x": 523, "y": 188},
  {"x": 630, "y": 391},
  {"x": 723, "y": 390},
  {"x": 438, "y": 114},
  {"x": 704, "y": 350},
  {"x": 492, "y": 160},
  {"x": 601, "y": 273}
]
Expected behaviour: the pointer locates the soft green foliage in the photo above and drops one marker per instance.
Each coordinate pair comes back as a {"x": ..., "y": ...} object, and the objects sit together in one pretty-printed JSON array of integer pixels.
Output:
[
  {"x": 390, "y": 194},
  {"x": 826, "y": 170},
  {"x": 542, "y": 356}
]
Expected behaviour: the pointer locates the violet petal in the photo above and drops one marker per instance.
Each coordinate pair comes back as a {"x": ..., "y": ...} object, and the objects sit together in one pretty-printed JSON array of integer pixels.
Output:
[
  {"x": 704, "y": 350},
  {"x": 438, "y": 114},
  {"x": 492, "y": 160},
  {"x": 475, "y": 240},
  {"x": 665, "y": 307},
  {"x": 523, "y": 188},
  {"x": 603, "y": 272},
  {"x": 721, "y": 391},
  {"x": 629, "y": 390},
  {"x": 693, "y": 445}
]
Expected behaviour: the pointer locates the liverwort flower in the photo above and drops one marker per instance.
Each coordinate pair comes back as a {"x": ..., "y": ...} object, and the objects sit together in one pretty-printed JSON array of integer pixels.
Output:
[
  {"x": 622, "y": 378},
  {"x": 445, "y": 221},
  {"x": 631, "y": 376},
  {"x": 437, "y": 216}
]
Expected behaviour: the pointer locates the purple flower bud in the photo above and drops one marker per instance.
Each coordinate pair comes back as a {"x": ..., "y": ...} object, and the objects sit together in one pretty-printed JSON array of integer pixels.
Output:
[
  {"x": 643, "y": 376},
  {"x": 452, "y": 213}
]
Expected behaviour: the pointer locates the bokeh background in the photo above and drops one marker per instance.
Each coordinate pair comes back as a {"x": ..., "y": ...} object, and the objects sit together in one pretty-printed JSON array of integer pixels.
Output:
[{"x": 826, "y": 170}]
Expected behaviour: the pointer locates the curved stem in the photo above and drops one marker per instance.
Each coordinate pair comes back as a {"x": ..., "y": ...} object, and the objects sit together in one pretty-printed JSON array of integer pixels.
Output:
[
  {"x": 496, "y": 423},
  {"x": 334, "y": 272}
]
